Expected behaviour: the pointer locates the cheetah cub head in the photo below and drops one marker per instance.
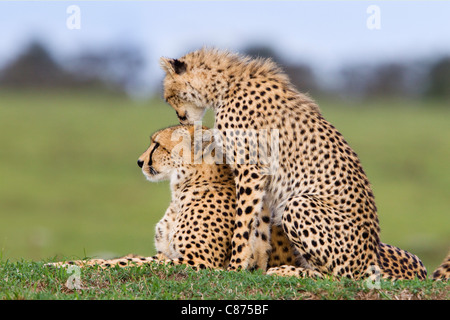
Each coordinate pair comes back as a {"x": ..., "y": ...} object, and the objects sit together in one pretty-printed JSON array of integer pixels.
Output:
[
  {"x": 195, "y": 82},
  {"x": 180, "y": 92},
  {"x": 170, "y": 150}
]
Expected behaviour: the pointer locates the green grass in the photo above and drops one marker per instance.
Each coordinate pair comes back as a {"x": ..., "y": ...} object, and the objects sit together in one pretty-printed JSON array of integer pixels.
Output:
[
  {"x": 70, "y": 186},
  {"x": 30, "y": 280}
]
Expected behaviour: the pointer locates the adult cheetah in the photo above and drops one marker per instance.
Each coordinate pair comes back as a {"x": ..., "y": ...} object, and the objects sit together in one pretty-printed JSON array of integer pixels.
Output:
[
  {"x": 317, "y": 190},
  {"x": 197, "y": 227},
  {"x": 198, "y": 224}
]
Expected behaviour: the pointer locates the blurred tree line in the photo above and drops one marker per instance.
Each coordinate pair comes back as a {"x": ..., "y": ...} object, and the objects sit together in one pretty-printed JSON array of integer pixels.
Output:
[
  {"x": 119, "y": 69},
  {"x": 420, "y": 79},
  {"x": 110, "y": 69}
]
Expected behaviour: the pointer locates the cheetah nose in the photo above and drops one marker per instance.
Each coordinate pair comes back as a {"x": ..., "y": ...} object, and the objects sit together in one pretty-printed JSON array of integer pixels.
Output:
[{"x": 140, "y": 163}]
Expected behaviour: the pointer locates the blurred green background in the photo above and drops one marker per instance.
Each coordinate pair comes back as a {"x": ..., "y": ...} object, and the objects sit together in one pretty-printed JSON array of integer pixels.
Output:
[{"x": 77, "y": 107}]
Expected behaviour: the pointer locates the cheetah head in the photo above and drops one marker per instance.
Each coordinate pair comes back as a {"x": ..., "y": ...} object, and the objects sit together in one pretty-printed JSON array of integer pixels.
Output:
[
  {"x": 170, "y": 149},
  {"x": 182, "y": 87}
]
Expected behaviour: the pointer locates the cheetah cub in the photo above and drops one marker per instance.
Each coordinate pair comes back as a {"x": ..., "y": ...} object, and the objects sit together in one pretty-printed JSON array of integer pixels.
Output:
[{"x": 316, "y": 188}]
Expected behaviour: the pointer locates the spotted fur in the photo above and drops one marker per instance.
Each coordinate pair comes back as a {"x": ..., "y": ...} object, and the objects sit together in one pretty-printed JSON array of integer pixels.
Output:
[
  {"x": 443, "y": 271},
  {"x": 317, "y": 190}
]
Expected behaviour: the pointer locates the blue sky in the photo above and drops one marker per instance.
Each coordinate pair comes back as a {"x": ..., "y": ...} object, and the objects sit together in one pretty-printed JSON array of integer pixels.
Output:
[{"x": 325, "y": 34}]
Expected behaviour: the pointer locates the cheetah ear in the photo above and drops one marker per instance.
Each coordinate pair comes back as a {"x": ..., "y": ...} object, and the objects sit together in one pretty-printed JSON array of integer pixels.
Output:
[{"x": 173, "y": 66}]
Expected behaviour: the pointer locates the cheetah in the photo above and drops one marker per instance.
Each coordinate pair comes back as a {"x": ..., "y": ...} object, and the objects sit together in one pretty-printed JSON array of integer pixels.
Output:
[
  {"x": 197, "y": 227},
  {"x": 443, "y": 271},
  {"x": 316, "y": 188}
]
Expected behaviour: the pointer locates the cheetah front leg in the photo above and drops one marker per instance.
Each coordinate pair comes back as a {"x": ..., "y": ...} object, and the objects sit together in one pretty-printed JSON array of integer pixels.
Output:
[
  {"x": 164, "y": 231},
  {"x": 251, "y": 237},
  {"x": 260, "y": 240}
]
